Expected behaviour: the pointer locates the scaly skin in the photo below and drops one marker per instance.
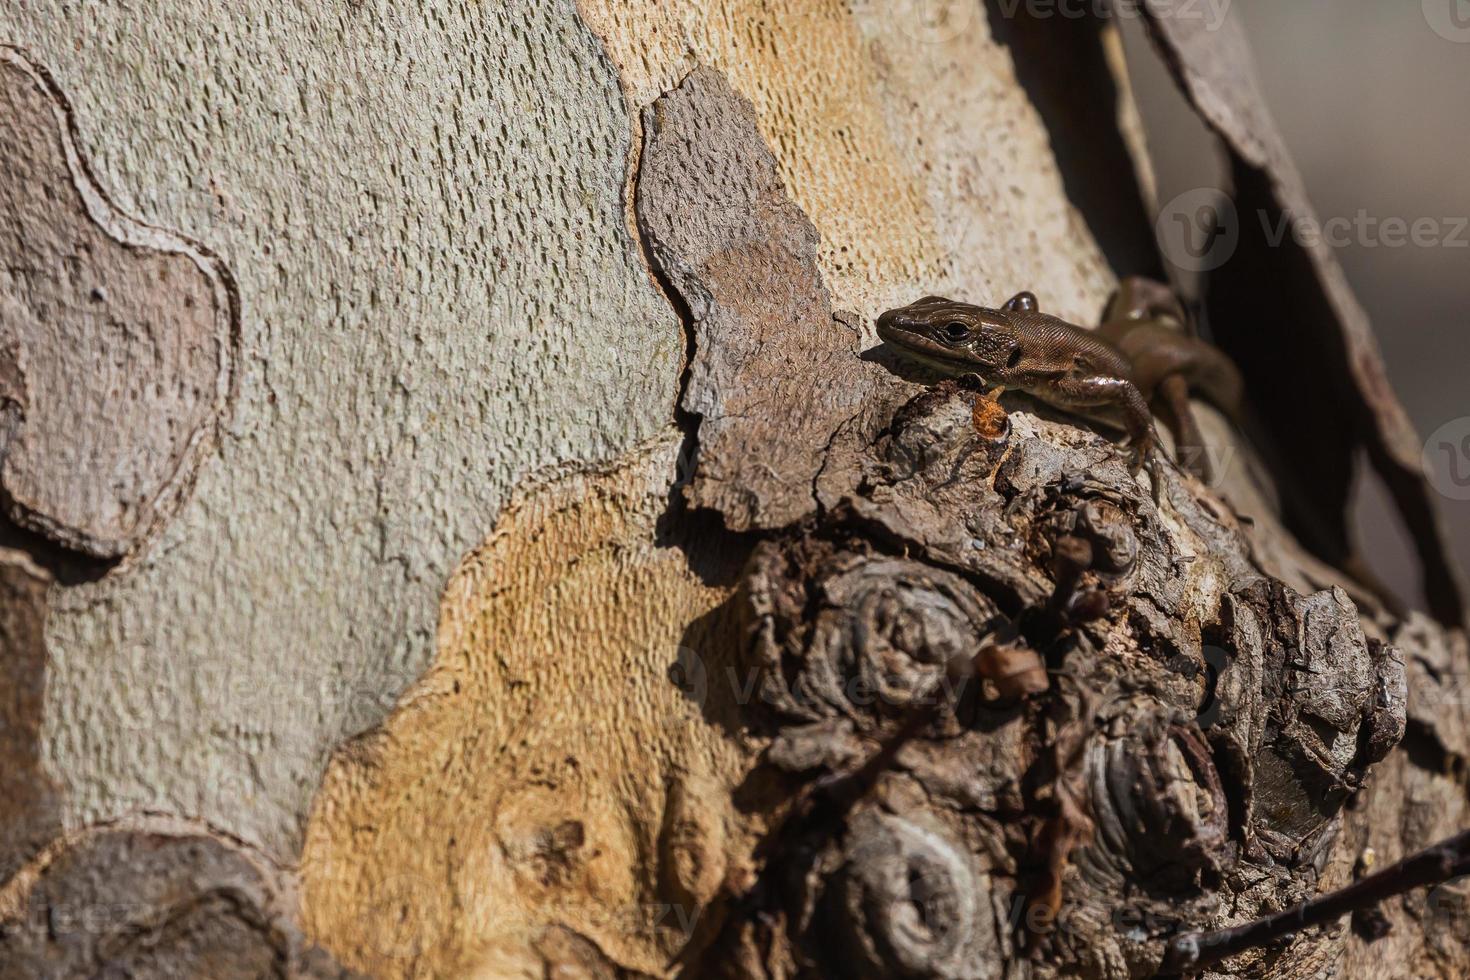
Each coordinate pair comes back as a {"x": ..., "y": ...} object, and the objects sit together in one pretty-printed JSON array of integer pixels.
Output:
[{"x": 1110, "y": 374}]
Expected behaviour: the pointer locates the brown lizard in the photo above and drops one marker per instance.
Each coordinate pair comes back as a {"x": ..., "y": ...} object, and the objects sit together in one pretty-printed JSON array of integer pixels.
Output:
[{"x": 1140, "y": 354}]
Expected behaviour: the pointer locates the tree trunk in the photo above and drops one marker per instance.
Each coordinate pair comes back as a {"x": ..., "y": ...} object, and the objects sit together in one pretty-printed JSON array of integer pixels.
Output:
[{"x": 457, "y": 521}]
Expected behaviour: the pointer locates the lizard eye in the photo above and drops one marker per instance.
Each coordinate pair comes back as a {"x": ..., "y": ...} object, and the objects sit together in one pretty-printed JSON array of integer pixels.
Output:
[{"x": 955, "y": 330}]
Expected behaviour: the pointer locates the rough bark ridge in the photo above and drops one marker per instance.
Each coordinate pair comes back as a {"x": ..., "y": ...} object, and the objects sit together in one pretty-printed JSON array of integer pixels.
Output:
[{"x": 1153, "y": 733}]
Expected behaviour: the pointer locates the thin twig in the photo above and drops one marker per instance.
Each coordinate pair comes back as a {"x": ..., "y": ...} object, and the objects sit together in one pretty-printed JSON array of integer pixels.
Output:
[{"x": 1438, "y": 863}]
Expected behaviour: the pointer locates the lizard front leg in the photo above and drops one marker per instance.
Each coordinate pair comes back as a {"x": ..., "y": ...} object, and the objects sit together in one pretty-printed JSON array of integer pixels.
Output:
[{"x": 1100, "y": 394}]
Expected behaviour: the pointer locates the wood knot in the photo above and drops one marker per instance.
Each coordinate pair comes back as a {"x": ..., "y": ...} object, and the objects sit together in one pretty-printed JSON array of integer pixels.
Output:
[{"x": 839, "y": 632}]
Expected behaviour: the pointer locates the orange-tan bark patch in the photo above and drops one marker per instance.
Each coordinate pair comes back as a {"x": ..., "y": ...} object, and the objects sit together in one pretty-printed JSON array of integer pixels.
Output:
[
  {"x": 535, "y": 777},
  {"x": 901, "y": 131}
]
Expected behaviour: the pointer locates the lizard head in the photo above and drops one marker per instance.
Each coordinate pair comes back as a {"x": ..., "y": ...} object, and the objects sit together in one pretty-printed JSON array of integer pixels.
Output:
[{"x": 956, "y": 337}]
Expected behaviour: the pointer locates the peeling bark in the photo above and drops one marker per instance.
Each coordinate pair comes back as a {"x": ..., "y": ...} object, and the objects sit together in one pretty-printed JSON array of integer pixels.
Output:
[
  {"x": 154, "y": 899},
  {"x": 747, "y": 275},
  {"x": 1311, "y": 349},
  {"x": 29, "y": 815},
  {"x": 118, "y": 341},
  {"x": 1190, "y": 762}
]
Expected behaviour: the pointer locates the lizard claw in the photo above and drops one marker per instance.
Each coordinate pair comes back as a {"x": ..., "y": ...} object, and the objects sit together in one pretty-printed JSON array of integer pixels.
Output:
[
  {"x": 1156, "y": 477},
  {"x": 1142, "y": 452},
  {"x": 1145, "y": 454}
]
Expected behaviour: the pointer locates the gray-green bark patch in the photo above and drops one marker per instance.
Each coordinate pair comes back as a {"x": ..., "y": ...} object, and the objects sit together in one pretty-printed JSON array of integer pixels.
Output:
[{"x": 423, "y": 206}]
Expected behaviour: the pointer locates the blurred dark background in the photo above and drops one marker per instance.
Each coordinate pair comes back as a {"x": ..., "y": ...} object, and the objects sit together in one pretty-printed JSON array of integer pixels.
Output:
[{"x": 1373, "y": 98}]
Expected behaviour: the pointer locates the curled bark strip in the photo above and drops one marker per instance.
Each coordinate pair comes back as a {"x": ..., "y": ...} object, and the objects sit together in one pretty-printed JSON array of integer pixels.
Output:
[
  {"x": 1310, "y": 360},
  {"x": 990, "y": 420},
  {"x": 1013, "y": 671}
]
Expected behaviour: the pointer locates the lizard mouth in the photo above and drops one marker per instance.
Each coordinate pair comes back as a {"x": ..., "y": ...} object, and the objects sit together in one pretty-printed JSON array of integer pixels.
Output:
[{"x": 915, "y": 343}]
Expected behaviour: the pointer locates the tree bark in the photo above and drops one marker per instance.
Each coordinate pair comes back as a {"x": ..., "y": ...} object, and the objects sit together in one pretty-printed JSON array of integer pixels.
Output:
[{"x": 458, "y": 521}]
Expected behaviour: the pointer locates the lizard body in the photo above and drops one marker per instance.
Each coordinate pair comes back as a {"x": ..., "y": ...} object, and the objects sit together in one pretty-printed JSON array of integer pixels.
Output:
[{"x": 1141, "y": 353}]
